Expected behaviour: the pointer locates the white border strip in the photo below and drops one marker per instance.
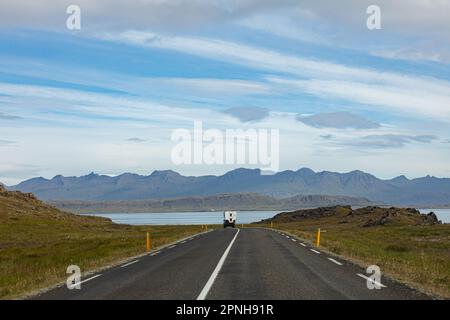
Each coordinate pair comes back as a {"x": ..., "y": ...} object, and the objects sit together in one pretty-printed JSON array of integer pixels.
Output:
[
  {"x": 127, "y": 264},
  {"x": 335, "y": 261},
  {"x": 371, "y": 280},
  {"x": 88, "y": 279}
]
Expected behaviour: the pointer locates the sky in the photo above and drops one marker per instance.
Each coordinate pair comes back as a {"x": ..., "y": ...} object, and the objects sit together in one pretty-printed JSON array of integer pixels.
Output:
[{"x": 106, "y": 98}]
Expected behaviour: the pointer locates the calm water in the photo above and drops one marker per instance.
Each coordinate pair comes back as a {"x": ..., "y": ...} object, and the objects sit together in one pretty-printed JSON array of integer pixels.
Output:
[{"x": 213, "y": 217}]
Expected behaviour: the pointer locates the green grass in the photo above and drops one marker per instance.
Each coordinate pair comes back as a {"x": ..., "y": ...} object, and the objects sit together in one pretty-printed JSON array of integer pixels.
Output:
[
  {"x": 416, "y": 255},
  {"x": 38, "y": 243}
]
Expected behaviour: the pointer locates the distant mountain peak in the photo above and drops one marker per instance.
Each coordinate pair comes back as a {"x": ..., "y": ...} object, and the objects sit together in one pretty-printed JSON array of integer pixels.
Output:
[
  {"x": 164, "y": 173},
  {"x": 400, "y": 178},
  {"x": 243, "y": 172},
  {"x": 305, "y": 171}
]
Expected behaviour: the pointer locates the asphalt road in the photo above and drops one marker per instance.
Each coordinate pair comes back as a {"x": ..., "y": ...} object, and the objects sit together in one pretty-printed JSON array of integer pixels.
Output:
[{"x": 234, "y": 264}]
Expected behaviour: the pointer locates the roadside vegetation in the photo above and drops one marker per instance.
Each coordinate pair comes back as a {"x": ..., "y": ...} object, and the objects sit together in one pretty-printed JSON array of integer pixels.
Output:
[
  {"x": 406, "y": 246},
  {"x": 38, "y": 243}
]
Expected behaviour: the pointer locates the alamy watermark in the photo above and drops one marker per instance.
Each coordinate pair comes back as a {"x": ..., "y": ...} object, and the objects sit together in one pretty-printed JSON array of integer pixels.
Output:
[
  {"x": 373, "y": 281},
  {"x": 74, "y": 280},
  {"x": 73, "y": 22},
  {"x": 258, "y": 147},
  {"x": 374, "y": 19}
]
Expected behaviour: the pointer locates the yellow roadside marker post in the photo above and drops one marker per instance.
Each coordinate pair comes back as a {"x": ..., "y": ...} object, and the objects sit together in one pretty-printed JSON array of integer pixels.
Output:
[
  {"x": 206, "y": 227},
  {"x": 318, "y": 237},
  {"x": 271, "y": 224},
  {"x": 148, "y": 241}
]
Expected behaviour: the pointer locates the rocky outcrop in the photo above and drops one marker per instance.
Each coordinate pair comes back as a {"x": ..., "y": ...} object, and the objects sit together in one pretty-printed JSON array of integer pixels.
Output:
[
  {"x": 384, "y": 216},
  {"x": 316, "y": 213},
  {"x": 17, "y": 194},
  {"x": 370, "y": 216}
]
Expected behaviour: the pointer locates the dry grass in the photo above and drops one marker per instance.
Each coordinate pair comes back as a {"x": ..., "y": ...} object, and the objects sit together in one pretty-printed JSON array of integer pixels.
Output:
[
  {"x": 38, "y": 243},
  {"x": 418, "y": 255}
]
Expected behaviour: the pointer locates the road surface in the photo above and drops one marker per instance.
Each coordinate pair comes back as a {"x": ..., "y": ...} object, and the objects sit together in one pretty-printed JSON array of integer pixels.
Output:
[{"x": 249, "y": 263}]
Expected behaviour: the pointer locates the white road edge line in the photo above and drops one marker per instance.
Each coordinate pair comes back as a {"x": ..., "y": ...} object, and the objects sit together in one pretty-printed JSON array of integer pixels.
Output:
[
  {"x": 88, "y": 279},
  {"x": 302, "y": 244},
  {"x": 334, "y": 261},
  {"x": 371, "y": 280},
  {"x": 183, "y": 241},
  {"x": 172, "y": 246},
  {"x": 294, "y": 240},
  {"x": 154, "y": 253},
  {"x": 212, "y": 278},
  {"x": 127, "y": 264},
  {"x": 315, "y": 251}
]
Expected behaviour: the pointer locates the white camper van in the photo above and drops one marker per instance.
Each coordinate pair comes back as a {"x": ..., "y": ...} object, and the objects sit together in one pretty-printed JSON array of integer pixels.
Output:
[{"x": 229, "y": 218}]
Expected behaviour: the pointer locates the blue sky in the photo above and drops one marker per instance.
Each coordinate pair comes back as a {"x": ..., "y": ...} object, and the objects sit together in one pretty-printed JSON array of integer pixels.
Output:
[{"x": 107, "y": 97}]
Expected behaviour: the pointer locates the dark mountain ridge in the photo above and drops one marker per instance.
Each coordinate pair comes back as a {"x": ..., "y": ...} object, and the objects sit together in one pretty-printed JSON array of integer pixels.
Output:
[
  {"x": 170, "y": 184},
  {"x": 220, "y": 202}
]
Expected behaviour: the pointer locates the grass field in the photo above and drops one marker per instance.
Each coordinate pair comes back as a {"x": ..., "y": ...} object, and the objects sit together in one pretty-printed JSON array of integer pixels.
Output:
[
  {"x": 418, "y": 255},
  {"x": 38, "y": 243}
]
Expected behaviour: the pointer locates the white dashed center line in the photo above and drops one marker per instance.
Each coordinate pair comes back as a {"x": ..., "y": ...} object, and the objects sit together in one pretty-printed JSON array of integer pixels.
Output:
[
  {"x": 302, "y": 244},
  {"x": 315, "y": 251}
]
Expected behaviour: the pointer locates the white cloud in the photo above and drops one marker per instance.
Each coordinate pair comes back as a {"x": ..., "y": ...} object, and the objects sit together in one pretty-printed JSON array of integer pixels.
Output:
[
  {"x": 413, "y": 54},
  {"x": 224, "y": 86},
  {"x": 414, "y": 95},
  {"x": 248, "y": 114},
  {"x": 339, "y": 120},
  {"x": 342, "y": 23},
  {"x": 59, "y": 139},
  {"x": 389, "y": 140}
]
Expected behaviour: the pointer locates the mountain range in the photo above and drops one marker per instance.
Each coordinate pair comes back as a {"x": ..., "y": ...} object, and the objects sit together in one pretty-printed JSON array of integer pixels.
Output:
[{"x": 170, "y": 184}]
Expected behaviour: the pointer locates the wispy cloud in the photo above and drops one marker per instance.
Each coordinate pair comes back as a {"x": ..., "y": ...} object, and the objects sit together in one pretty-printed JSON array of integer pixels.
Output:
[
  {"x": 138, "y": 140},
  {"x": 4, "y": 116},
  {"x": 339, "y": 120},
  {"x": 404, "y": 93},
  {"x": 248, "y": 114},
  {"x": 413, "y": 54},
  {"x": 414, "y": 96},
  {"x": 390, "y": 140},
  {"x": 6, "y": 142}
]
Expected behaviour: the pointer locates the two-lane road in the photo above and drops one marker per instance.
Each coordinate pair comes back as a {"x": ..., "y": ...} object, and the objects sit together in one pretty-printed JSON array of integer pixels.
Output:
[{"x": 227, "y": 264}]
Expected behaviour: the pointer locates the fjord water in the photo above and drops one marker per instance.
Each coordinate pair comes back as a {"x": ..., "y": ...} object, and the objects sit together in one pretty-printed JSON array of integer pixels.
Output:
[
  {"x": 442, "y": 214},
  {"x": 162, "y": 218},
  {"x": 215, "y": 217}
]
